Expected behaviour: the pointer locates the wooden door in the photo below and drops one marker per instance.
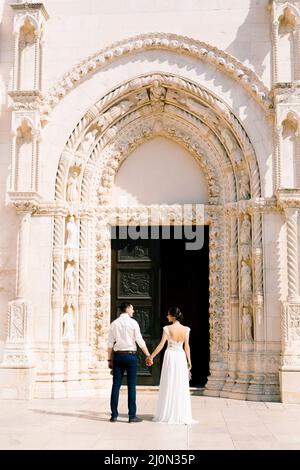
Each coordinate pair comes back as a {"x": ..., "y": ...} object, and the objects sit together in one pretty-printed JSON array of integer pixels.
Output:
[{"x": 136, "y": 279}]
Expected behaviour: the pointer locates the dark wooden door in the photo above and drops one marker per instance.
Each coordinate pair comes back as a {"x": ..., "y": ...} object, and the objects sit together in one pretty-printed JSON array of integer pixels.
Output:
[
  {"x": 136, "y": 279},
  {"x": 184, "y": 283}
]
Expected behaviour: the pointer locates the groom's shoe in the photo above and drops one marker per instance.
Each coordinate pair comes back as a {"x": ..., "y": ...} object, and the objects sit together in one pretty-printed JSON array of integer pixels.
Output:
[
  {"x": 136, "y": 419},
  {"x": 113, "y": 419}
]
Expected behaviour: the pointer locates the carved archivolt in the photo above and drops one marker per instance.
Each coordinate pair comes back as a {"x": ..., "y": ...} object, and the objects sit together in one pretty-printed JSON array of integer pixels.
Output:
[
  {"x": 204, "y": 113},
  {"x": 170, "y": 42},
  {"x": 139, "y": 110}
]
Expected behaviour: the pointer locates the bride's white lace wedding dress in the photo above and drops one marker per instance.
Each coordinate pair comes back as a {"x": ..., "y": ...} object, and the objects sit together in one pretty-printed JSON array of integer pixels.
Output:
[{"x": 174, "y": 401}]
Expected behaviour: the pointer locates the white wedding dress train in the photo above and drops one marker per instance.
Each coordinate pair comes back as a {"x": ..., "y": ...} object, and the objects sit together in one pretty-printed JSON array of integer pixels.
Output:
[{"x": 174, "y": 400}]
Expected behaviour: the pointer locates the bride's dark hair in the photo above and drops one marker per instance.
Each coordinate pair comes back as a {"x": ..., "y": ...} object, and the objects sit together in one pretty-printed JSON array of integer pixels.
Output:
[{"x": 175, "y": 312}]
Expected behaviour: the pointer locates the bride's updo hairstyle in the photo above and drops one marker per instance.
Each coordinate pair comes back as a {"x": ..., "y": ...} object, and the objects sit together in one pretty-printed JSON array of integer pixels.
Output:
[{"x": 175, "y": 312}]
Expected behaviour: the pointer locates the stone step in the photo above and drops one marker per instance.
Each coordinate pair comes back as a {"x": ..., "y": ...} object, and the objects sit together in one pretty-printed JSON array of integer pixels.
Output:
[{"x": 154, "y": 389}]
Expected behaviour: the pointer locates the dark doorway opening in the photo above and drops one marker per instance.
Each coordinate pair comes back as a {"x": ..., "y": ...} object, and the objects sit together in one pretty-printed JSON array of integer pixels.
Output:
[{"x": 154, "y": 274}]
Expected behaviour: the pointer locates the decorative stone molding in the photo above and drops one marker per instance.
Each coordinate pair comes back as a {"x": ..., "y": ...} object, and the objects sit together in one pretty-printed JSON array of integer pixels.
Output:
[
  {"x": 29, "y": 25},
  {"x": 173, "y": 43},
  {"x": 102, "y": 140},
  {"x": 290, "y": 336},
  {"x": 285, "y": 18},
  {"x": 286, "y": 134},
  {"x": 30, "y": 101}
]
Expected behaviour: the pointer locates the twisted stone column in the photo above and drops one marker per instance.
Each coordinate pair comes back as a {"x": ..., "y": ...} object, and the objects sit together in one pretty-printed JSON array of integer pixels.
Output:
[
  {"x": 291, "y": 215},
  {"x": 83, "y": 332},
  {"x": 290, "y": 317},
  {"x": 57, "y": 279}
]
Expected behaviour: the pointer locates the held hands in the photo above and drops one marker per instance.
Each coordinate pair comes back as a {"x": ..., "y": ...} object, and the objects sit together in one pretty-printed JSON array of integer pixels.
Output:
[{"x": 149, "y": 361}]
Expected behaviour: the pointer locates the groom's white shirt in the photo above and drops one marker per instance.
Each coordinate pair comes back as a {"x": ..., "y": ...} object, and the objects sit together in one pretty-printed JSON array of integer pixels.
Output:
[{"x": 124, "y": 333}]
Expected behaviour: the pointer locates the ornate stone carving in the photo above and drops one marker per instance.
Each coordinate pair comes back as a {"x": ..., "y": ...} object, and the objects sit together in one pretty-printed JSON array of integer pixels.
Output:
[
  {"x": 72, "y": 188},
  {"x": 247, "y": 324},
  {"x": 171, "y": 42},
  {"x": 87, "y": 142},
  {"x": 70, "y": 274},
  {"x": 245, "y": 237},
  {"x": 16, "y": 322},
  {"x": 198, "y": 123},
  {"x": 72, "y": 233},
  {"x": 157, "y": 96},
  {"x": 68, "y": 325},
  {"x": 244, "y": 185},
  {"x": 246, "y": 281}
]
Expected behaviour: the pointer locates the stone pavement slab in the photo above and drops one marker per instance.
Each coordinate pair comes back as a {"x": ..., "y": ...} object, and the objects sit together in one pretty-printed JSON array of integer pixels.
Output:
[{"x": 83, "y": 423}]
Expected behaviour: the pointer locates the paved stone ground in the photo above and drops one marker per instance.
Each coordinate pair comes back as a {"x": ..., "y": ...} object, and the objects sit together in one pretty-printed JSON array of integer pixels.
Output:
[{"x": 82, "y": 423}]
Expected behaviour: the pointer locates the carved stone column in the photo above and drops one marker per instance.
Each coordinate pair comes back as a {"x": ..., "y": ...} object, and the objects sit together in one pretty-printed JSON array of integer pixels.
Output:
[
  {"x": 234, "y": 306},
  {"x": 83, "y": 281},
  {"x": 291, "y": 215},
  {"x": 217, "y": 321},
  {"x": 57, "y": 280},
  {"x": 290, "y": 318}
]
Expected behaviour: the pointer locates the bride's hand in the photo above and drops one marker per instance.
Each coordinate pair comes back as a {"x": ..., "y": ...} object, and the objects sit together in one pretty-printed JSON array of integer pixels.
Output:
[{"x": 149, "y": 361}]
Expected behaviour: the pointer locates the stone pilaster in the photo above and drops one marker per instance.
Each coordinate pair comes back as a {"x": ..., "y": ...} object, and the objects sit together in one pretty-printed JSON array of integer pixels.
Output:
[
  {"x": 17, "y": 370},
  {"x": 290, "y": 316}
]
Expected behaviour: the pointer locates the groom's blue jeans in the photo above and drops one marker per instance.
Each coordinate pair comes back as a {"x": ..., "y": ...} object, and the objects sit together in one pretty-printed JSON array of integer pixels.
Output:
[{"x": 122, "y": 362}]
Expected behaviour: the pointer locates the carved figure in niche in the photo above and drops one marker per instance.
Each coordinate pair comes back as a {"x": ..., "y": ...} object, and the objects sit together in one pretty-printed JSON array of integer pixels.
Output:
[
  {"x": 113, "y": 113},
  {"x": 157, "y": 95},
  {"x": 244, "y": 185},
  {"x": 246, "y": 279},
  {"x": 25, "y": 131},
  {"x": 88, "y": 142},
  {"x": 195, "y": 106},
  {"x": 245, "y": 237},
  {"x": 72, "y": 233},
  {"x": 72, "y": 187},
  {"x": 28, "y": 32},
  {"x": 245, "y": 234},
  {"x": 70, "y": 278},
  {"x": 290, "y": 127},
  {"x": 247, "y": 324},
  {"x": 68, "y": 324},
  {"x": 287, "y": 21},
  {"x": 229, "y": 139}
]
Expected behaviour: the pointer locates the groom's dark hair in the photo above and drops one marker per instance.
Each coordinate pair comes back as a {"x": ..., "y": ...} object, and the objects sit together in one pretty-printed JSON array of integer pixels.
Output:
[{"x": 124, "y": 305}]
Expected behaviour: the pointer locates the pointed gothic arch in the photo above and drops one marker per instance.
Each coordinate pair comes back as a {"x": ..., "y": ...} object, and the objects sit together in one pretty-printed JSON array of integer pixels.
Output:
[{"x": 123, "y": 119}]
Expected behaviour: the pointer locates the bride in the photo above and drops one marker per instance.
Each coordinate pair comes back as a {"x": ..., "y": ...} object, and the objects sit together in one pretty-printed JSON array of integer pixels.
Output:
[{"x": 174, "y": 401}]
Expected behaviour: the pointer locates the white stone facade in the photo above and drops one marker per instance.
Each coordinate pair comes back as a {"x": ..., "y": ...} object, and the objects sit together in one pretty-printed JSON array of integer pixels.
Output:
[{"x": 86, "y": 88}]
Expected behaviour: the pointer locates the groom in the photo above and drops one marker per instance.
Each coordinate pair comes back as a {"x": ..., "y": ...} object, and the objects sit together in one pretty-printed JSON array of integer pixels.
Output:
[{"x": 123, "y": 335}]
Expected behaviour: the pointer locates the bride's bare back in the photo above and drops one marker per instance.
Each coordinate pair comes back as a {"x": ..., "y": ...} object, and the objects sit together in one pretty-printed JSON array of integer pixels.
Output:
[{"x": 177, "y": 332}]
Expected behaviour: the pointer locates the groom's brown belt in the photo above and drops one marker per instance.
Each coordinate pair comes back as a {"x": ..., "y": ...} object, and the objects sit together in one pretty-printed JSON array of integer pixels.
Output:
[{"x": 124, "y": 352}]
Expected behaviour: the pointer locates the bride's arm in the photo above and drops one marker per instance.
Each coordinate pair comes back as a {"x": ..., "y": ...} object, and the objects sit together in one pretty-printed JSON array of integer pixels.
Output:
[{"x": 159, "y": 347}]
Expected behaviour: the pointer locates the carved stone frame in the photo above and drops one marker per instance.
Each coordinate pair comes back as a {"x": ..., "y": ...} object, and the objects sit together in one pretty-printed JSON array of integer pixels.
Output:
[{"x": 193, "y": 117}]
